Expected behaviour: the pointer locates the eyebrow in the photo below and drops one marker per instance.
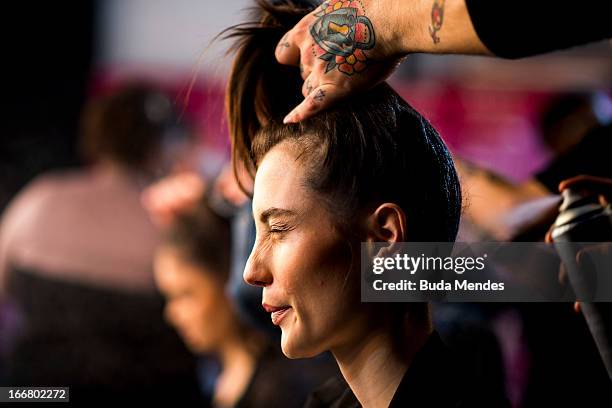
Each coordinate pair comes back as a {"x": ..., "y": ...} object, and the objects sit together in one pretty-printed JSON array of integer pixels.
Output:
[{"x": 275, "y": 212}]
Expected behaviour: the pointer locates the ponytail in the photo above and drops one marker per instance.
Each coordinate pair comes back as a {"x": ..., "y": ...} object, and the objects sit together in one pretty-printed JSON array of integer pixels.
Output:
[{"x": 260, "y": 90}]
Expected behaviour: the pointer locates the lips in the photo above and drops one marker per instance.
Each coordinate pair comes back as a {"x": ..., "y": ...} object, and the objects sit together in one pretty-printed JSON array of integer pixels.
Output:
[{"x": 277, "y": 312}]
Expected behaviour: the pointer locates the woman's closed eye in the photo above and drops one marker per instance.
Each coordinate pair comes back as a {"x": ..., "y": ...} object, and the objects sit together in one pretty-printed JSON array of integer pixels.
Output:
[{"x": 279, "y": 228}]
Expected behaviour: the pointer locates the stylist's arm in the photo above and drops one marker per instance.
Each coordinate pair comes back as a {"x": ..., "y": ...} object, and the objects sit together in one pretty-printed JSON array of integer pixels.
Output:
[{"x": 346, "y": 46}]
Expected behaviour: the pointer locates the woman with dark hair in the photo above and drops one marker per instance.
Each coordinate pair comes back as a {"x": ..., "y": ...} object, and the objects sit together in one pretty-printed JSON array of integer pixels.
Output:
[
  {"x": 370, "y": 170},
  {"x": 244, "y": 368}
]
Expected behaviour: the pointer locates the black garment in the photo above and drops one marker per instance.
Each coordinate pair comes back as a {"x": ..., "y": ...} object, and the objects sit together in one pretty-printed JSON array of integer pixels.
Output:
[
  {"x": 520, "y": 28},
  {"x": 591, "y": 156},
  {"x": 432, "y": 380},
  {"x": 106, "y": 345},
  {"x": 281, "y": 382}
]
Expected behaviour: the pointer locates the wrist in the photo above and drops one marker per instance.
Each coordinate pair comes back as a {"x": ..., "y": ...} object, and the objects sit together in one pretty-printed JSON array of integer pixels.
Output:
[
  {"x": 412, "y": 19},
  {"x": 396, "y": 26}
]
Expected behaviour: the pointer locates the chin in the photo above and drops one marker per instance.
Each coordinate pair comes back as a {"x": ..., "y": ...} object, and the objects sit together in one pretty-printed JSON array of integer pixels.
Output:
[
  {"x": 296, "y": 348},
  {"x": 198, "y": 346}
]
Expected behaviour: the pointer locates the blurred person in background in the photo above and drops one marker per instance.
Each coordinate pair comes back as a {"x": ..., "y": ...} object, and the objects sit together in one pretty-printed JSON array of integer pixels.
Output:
[
  {"x": 76, "y": 254},
  {"x": 192, "y": 267},
  {"x": 577, "y": 129},
  {"x": 169, "y": 197}
]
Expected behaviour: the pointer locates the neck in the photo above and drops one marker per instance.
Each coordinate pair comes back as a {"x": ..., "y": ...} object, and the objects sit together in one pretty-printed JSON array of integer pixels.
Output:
[
  {"x": 238, "y": 363},
  {"x": 373, "y": 366},
  {"x": 235, "y": 353}
]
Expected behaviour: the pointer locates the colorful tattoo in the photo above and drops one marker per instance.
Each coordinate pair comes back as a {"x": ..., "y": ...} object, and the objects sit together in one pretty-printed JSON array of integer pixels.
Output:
[
  {"x": 437, "y": 18},
  {"x": 342, "y": 33}
]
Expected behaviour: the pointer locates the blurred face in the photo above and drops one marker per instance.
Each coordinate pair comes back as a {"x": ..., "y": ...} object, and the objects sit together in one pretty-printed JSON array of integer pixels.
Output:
[
  {"x": 196, "y": 304},
  {"x": 310, "y": 287}
]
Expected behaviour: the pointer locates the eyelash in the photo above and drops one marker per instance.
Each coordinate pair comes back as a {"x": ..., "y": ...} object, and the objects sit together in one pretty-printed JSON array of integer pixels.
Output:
[{"x": 279, "y": 229}]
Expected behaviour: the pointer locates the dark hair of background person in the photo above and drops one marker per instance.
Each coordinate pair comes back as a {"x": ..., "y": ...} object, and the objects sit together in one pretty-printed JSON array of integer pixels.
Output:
[
  {"x": 203, "y": 238},
  {"x": 372, "y": 148},
  {"x": 126, "y": 127}
]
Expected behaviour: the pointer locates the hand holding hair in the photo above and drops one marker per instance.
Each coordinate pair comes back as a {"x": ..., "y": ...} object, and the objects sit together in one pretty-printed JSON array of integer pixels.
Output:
[{"x": 345, "y": 46}]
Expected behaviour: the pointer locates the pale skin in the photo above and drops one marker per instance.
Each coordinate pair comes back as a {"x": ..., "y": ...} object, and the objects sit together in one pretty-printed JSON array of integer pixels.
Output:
[
  {"x": 385, "y": 32},
  {"x": 321, "y": 289}
]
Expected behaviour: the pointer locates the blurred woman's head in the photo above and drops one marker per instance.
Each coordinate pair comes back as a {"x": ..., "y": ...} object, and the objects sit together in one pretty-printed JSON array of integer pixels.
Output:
[
  {"x": 191, "y": 269},
  {"x": 371, "y": 169},
  {"x": 133, "y": 127}
]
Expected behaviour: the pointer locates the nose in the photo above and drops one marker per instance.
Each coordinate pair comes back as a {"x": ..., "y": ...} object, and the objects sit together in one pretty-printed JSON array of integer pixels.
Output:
[{"x": 256, "y": 272}]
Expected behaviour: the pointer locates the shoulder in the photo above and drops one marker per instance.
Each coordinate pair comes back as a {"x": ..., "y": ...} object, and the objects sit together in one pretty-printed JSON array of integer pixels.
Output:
[{"x": 47, "y": 185}]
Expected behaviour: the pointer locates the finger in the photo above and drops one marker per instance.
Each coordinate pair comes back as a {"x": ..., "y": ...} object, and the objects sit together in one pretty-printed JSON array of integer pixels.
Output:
[
  {"x": 605, "y": 200},
  {"x": 319, "y": 99},
  {"x": 599, "y": 184},
  {"x": 548, "y": 238},
  {"x": 305, "y": 70},
  {"x": 577, "y": 307},
  {"x": 166, "y": 199},
  {"x": 310, "y": 84},
  {"x": 190, "y": 186},
  {"x": 288, "y": 49}
]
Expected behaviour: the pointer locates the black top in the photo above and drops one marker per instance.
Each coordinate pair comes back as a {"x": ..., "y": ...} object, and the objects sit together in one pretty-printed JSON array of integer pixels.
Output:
[
  {"x": 281, "y": 382},
  {"x": 277, "y": 381},
  {"x": 432, "y": 380},
  {"x": 106, "y": 345},
  {"x": 520, "y": 28}
]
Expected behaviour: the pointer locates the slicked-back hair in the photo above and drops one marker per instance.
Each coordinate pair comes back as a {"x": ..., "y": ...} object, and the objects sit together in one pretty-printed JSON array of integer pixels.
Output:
[{"x": 368, "y": 149}]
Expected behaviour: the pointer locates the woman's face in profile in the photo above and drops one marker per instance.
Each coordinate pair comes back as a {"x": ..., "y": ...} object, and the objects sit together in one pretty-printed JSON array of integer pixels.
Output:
[
  {"x": 196, "y": 304},
  {"x": 302, "y": 262}
]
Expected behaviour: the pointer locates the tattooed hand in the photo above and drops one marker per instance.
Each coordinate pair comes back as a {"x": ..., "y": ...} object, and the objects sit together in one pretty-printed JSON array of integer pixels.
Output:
[
  {"x": 340, "y": 47},
  {"x": 349, "y": 45}
]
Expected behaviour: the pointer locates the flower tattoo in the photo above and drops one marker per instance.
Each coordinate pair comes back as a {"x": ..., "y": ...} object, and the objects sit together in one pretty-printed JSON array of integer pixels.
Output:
[{"x": 342, "y": 33}]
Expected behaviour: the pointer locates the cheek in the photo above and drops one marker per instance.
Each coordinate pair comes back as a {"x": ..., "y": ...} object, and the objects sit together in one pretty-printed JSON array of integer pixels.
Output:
[
  {"x": 206, "y": 308},
  {"x": 192, "y": 312},
  {"x": 313, "y": 269}
]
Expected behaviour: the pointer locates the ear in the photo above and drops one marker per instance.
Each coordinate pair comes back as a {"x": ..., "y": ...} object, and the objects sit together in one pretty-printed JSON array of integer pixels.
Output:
[{"x": 387, "y": 224}]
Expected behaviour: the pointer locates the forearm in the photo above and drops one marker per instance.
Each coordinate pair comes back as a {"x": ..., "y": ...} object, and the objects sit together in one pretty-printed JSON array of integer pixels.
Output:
[
  {"x": 508, "y": 29},
  {"x": 438, "y": 27}
]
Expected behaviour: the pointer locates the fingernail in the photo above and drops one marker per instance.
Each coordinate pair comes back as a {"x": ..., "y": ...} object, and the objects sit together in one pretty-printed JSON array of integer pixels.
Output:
[{"x": 290, "y": 118}]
